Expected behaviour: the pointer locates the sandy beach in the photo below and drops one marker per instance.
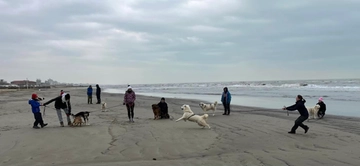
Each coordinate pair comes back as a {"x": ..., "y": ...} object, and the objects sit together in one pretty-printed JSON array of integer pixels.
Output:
[{"x": 248, "y": 137}]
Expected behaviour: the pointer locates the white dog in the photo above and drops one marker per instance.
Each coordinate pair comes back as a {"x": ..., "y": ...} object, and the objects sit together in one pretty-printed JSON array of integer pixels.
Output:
[
  {"x": 103, "y": 107},
  {"x": 190, "y": 116},
  {"x": 208, "y": 107},
  {"x": 313, "y": 112}
]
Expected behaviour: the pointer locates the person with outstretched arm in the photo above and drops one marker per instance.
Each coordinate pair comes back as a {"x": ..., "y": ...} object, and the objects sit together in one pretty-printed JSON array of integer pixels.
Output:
[
  {"x": 62, "y": 102},
  {"x": 300, "y": 106}
]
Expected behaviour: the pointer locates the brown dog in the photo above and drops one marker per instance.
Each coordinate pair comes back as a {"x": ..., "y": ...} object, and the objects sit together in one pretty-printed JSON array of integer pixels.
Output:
[
  {"x": 157, "y": 111},
  {"x": 77, "y": 121}
]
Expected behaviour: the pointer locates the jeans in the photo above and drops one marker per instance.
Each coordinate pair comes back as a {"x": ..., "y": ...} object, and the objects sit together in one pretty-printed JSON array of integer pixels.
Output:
[
  {"x": 226, "y": 108},
  {"x": 38, "y": 119},
  {"x": 299, "y": 122},
  {"x": 58, "y": 111},
  {"x": 130, "y": 109},
  {"x": 89, "y": 99}
]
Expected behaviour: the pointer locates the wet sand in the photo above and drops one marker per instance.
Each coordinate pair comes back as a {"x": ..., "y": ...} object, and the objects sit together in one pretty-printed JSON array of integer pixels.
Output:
[{"x": 249, "y": 136}]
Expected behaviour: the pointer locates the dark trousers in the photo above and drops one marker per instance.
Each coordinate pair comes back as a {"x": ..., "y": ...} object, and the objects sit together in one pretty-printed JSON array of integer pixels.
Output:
[
  {"x": 299, "y": 122},
  {"x": 38, "y": 119},
  {"x": 98, "y": 99},
  {"x": 89, "y": 99},
  {"x": 130, "y": 109},
  {"x": 226, "y": 108}
]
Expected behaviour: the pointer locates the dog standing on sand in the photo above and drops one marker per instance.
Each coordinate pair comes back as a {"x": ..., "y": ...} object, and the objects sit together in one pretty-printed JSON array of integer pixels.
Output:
[
  {"x": 190, "y": 116},
  {"x": 103, "y": 107},
  {"x": 77, "y": 121},
  {"x": 157, "y": 111},
  {"x": 208, "y": 107},
  {"x": 313, "y": 112},
  {"x": 85, "y": 115}
]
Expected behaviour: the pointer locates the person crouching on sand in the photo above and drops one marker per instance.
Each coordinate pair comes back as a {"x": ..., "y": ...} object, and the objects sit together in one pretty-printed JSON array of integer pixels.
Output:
[
  {"x": 322, "y": 108},
  {"x": 62, "y": 102},
  {"x": 129, "y": 101},
  {"x": 300, "y": 106},
  {"x": 164, "y": 109},
  {"x": 35, "y": 107}
]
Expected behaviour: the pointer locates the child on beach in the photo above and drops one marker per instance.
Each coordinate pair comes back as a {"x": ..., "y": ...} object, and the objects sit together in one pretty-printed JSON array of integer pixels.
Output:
[
  {"x": 129, "y": 101},
  {"x": 300, "y": 106},
  {"x": 35, "y": 107},
  {"x": 164, "y": 109}
]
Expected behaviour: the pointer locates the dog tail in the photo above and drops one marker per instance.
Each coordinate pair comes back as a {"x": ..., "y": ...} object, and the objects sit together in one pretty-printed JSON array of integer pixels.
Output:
[
  {"x": 215, "y": 103},
  {"x": 205, "y": 116}
]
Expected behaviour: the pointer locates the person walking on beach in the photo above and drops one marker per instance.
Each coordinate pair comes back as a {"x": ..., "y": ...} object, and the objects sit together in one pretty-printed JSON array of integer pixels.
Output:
[
  {"x": 300, "y": 106},
  {"x": 129, "y": 101},
  {"x": 98, "y": 93},
  {"x": 35, "y": 107},
  {"x": 226, "y": 99},
  {"x": 322, "y": 108},
  {"x": 62, "y": 102},
  {"x": 89, "y": 94}
]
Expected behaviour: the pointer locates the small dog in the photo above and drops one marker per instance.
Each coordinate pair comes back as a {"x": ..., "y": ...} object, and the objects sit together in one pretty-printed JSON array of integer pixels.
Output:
[
  {"x": 190, "y": 116},
  {"x": 103, "y": 107},
  {"x": 77, "y": 120},
  {"x": 208, "y": 107},
  {"x": 313, "y": 112},
  {"x": 85, "y": 115},
  {"x": 157, "y": 111}
]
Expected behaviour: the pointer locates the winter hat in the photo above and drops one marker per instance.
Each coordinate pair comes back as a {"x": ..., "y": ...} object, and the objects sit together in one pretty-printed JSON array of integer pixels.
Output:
[
  {"x": 320, "y": 99},
  {"x": 129, "y": 87},
  {"x": 34, "y": 96}
]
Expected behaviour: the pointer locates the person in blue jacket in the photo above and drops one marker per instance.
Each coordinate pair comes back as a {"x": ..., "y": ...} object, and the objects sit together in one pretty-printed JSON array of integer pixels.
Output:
[
  {"x": 89, "y": 93},
  {"x": 300, "y": 106},
  {"x": 226, "y": 99},
  {"x": 35, "y": 107}
]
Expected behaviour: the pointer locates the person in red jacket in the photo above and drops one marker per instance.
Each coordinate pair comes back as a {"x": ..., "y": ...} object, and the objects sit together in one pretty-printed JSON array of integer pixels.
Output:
[{"x": 129, "y": 101}]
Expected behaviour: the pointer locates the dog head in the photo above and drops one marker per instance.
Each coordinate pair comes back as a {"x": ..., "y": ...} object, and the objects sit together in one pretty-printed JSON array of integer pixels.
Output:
[
  {"x": 154, "y": 106},
  {"x": 317, "y": 107},
  {"x": 186, "y": 108},
  {"x": 202, "y": 105}
]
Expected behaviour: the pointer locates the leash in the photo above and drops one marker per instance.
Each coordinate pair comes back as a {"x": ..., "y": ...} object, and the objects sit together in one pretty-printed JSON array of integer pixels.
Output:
[
  {"x": 287, "y": 111},
  {"x": 90, "y": 111},
  {"x": 44, "y": 111},
  {"x": 190, "y": 116}
]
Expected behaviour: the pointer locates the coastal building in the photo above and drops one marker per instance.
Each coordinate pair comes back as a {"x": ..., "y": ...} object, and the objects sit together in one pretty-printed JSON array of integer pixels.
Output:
[{"x": 24, "y": 83}]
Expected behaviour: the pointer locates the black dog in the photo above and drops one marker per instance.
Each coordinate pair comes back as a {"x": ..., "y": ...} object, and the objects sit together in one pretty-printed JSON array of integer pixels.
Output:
[{"x": 85, "y": 115}]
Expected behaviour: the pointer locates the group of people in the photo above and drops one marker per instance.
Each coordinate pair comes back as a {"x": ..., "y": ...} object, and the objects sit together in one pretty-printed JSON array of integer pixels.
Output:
[
  {"x": 90, "y": 93},
  {"x": 62, "y": 102},
  {"x": 304, "y": 114}
]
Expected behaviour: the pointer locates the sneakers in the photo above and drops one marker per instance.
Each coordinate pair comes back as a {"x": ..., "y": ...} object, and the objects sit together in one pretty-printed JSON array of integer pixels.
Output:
[
  {"x": 36, "y": 127},
  {"x": 44, "y": 125},
  {"x": 131, "y": 120},
  {"x": 62, "y": 124}
]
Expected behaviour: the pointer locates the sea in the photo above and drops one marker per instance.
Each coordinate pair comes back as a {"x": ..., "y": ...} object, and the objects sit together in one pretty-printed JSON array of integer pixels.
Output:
[{"x": 342, "y": 97}]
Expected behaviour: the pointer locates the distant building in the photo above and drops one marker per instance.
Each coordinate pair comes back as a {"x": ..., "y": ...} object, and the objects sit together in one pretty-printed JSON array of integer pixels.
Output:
[
  {"x": 3, "y": 82},
  {"x": 24, "y": 83}
]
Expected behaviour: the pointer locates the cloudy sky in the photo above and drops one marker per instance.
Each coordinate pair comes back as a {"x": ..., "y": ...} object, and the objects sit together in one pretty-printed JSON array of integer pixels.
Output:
[{"x": 165, "y": 41}]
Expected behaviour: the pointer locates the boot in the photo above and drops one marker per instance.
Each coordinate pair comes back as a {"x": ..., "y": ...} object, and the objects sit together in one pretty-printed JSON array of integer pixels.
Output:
[
  {"x": 36, "y": 127},
  {"x": 45, "y": 124},
  {"x": 62, "y": 124}
]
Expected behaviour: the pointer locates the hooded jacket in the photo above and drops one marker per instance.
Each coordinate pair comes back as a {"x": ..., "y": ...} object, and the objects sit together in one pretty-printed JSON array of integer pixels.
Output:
[
  {"x": 129, "y": 97},
  {"x": 89, "y": 91},
  {"x": 98, "y": 90},
  {"x": 322, "y": 106},
  {"x": 60, "y": 102},
  {"x": 226, "y": 96},
  {"x": 300, "y": 106},
  {"x": 35, "y": 105}
]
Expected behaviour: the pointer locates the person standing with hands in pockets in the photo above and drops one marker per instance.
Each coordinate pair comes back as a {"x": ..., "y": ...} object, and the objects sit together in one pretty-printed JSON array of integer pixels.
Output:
[
  {"x": 226, "y": 99},
  {"x": 129, "y": 101}
]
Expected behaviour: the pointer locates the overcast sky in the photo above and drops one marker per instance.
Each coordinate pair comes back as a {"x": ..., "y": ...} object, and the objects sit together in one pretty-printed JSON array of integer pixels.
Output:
[{"x": 165, "y": 41}]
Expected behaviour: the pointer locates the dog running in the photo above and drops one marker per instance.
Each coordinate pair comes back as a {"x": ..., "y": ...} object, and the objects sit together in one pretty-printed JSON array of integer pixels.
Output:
[
  {"x": 190, "y": 116},
  {"x": 208, "y": 107}
]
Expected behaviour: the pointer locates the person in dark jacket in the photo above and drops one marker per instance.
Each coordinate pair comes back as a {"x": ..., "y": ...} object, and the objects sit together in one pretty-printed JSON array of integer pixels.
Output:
[
  {"x": 226, "y": 99},
  {"x": 62, "y": 102},
  {"x": 129, "y": 101},
  {"x": 35, "y": 107},
  {"x": 98, "y": 93},
  {"x": 89, "y": 93},
  {"x": 300, "y": 106},
  {"x": 164, "y": 109},
  {"x": 322, "y": 108}
]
